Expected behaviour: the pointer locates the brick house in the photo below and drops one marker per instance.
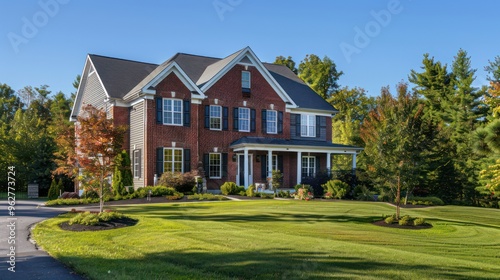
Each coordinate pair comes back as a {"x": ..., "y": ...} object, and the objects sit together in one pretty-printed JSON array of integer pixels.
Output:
[{"x": 237, "y": 117}]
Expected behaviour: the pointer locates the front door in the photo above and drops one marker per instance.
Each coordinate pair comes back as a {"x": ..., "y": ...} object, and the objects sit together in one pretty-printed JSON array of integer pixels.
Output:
[{"x": 240, "y": 179}]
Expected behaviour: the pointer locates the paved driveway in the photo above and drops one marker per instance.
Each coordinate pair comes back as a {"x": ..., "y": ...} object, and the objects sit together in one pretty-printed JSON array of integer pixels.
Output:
[{"x": 30, "y": 263}]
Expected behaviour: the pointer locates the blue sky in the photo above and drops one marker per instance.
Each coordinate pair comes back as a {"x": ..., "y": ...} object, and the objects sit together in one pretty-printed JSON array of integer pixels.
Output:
[{"x": 374, "y": 42}]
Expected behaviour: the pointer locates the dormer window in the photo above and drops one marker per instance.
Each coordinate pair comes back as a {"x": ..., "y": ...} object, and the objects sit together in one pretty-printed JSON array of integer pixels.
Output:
[{"x": 245, "y": 83}]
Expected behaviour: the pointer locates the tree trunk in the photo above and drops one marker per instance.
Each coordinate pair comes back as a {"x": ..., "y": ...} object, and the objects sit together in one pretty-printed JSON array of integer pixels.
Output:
[{"x": 398, "y": 197}]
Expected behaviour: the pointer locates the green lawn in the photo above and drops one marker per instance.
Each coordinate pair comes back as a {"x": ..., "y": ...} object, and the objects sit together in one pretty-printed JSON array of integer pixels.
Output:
[{"x": 273, "y": 239}]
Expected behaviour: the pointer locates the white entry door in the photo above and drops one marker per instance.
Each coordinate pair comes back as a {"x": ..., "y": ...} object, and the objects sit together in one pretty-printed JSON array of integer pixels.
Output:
[{"x": 240, "y": 179}]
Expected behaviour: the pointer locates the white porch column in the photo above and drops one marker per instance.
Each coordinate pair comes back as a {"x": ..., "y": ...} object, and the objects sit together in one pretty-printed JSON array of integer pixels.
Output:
[
  {"x": 329, "y": 163},
  {"x": 354, "y": 161},
  {"x": 269, "y": 163},
  {"x": 245, "y": 168},
  {"x": 299, "y": 167}
]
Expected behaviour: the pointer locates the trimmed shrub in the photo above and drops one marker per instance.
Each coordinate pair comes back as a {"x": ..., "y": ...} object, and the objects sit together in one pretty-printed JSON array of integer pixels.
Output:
[
  {"x": 229, "y": 188},
  {"x": 362, "y": 193},
  {"x": 251, "y": 190},
  {"x": 419, "y": 222},
  {"x": 337, "y": 188},
  {"x": 405, "y": 221},
  {"x": 181, "y": 182},
  {"x": 53, "y": 191},
  {"x": 92, "y": 219},
  {"x": 389, "y": 220},
  {"x": 205, "y": 196},
  {"x": 430, "y": 200}
]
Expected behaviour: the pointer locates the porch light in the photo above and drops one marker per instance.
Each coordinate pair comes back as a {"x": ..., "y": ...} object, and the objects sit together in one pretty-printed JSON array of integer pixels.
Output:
[{"x": 234, "y": 157}]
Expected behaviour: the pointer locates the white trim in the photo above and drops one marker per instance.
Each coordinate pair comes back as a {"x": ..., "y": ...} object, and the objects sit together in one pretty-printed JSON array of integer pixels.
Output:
[
  {"x": 308, "y": 125},
  {"x": 136, "y": 101},
  {"x": 249, "y": 79},
  {"x": 172, "y": 112},
  {"x": 173, "y": 158},
  {"x": 281, "y": 148},
  {"x": 239, "y": 119},
  {"x": 275, "y": 122},
  {"x": 210, "y": 118},
  {"x": 260, "y": 67},
  {"x": 311, "y": 111},
  {"x": 173, "y": 67},
  {"x": 220, "y": 166}
]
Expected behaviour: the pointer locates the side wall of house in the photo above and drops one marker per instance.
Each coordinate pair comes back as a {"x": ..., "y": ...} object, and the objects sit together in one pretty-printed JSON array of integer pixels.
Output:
[{"x": 137, "y": 128}]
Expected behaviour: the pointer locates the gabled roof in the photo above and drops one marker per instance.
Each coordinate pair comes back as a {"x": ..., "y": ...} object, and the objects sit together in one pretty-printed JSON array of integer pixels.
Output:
[
  {"x": 216, "y": 67},
  {"x": 126, "y": 79},
  {"x": 297, "y": 89},
  {"x": 119, "y": 76}
]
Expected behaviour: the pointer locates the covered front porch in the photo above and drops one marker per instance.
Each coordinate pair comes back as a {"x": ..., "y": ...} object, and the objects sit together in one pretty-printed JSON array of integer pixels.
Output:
[{"x": 296, "y": 159}]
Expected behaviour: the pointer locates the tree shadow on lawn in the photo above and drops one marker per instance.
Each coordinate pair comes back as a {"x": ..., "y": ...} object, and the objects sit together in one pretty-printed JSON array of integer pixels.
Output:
[
  {"x": 270, "y": 264},
  {"x": 271, "y": 217}
]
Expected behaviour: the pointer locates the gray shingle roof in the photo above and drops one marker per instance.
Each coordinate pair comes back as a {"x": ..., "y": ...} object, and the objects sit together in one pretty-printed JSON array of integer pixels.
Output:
[
  {"x": 299, "y": 91},
  {"x": 125, "y": 77},
  {"x": 119, "y": 76}
]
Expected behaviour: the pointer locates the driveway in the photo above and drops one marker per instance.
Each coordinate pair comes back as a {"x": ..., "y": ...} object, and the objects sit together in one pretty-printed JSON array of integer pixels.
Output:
[{"x": 30, "y": 263}]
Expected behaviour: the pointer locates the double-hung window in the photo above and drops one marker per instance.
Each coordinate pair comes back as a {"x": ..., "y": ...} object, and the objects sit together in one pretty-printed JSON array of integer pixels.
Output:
[
  {"x": 215, "y": 166},
  {"x": 244, "y": 119},
  {"x": 215, "y": 117},
  {"x": 172, "y": 111},
  {"x": 137, "y": 163},
  {"x": 308, "y": 166},
  {"x": 245, "y": 80},
  {"x": 308, "y": 125},
  {"x": 172, "y": 160},
  {"x": 272, "y": 121}
]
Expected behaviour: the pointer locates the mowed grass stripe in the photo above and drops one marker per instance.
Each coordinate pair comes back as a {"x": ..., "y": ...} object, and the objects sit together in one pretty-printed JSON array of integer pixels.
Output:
[{"x": 272, "y": 239}]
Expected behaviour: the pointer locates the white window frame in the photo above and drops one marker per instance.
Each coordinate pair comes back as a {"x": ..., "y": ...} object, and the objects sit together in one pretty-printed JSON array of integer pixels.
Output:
[
  {"x": 308, "y": 165},
  {"x": 173, "y": 161},
  {"x": 212, "y": 164},
  {"x": 170, "y": 111},
  {"x": 244, "y": 82},
  {"x": 215, "y": 117},
  {"x": 274, "y": 161},
  {"x": 307, "y": 125},
  {"x": 273, "y": 122},
  {"x": 137, "y": 164},
  {"x": 242, "y": 120}
]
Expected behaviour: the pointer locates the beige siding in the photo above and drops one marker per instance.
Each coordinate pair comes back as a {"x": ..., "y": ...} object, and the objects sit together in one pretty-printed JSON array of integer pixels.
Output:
[
  {"x": 137, "y": 138},
  {"x": 94, "y": 92}
]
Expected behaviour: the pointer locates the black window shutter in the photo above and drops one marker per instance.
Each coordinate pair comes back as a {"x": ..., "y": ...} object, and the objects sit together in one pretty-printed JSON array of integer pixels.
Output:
[
  {"x": 187, "y": 113},
  {"x": 263, "y": 161},
  {"x": 159, "y": 110},
  {"x": 225, "y": 118},
  {"x": 224, "y": 164},
  {"x": 159, "y": 161},
  {"x": 264, "y": 121},
  {"x": 280, "y": 122},
  {"x": 280, "y": 163},
  {"x": 206, "y": 166},
  {"x": 252, "y": 120},
  {"x": 235, "y": 118},
  {"x": 297, "y": 125},
  {"x": 207, "y": 116},
  {"x": 187, "y": 160},
  {"x": 318, "y": 127}
]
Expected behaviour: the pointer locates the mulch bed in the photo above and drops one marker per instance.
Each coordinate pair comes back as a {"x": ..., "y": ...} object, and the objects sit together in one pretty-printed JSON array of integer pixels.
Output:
[
  {"x": 116, "y": 223},
  {"x": 382, "y": 223}
]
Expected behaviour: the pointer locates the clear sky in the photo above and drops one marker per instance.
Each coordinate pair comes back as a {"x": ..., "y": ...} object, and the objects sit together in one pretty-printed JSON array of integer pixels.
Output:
[{"x": 374, "y": 42}]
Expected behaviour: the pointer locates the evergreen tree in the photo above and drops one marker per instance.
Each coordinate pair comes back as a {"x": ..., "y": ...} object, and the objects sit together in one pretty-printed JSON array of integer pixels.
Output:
[
  {"x": 122, "y": 176},
  {"x": 53, "y": 190},
  {"x": 395, "y": 142}
]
